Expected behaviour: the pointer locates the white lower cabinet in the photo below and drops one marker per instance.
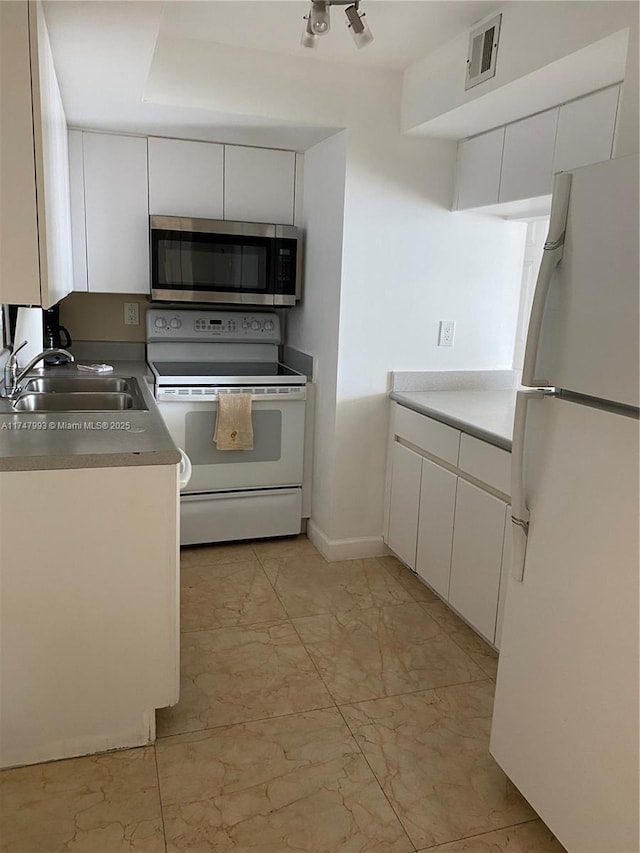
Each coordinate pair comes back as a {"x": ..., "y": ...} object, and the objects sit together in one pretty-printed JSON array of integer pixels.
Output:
[
  {"x": 476, "y": 558},
  {"x": 451, "y": 522},
  {"x": 405, "y": 502},
  {"x": 435, "y": 526},
  {"x": 89, "y": 630},
  {"x": 507, "y": 556}
]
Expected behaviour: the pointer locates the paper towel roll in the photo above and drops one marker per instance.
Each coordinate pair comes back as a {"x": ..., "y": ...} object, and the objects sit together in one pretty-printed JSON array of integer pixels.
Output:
[{"x": 28, "y": 328}]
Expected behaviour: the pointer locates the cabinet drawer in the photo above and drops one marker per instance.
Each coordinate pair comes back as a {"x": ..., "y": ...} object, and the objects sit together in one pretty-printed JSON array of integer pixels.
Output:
[
  {"x": 486, "y": 463},
  {"x": 429, "y": 435}
]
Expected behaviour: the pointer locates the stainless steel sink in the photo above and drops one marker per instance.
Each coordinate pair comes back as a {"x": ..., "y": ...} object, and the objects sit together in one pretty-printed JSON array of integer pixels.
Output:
[
  {"x": 64, "y": 385},
  {"x": 80, "y": 394},
  {"x": 77, "y": 401}
]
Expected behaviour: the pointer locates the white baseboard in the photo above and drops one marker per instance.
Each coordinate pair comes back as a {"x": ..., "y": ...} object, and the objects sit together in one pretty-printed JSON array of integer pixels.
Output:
[{"x": 345, "y": 549}]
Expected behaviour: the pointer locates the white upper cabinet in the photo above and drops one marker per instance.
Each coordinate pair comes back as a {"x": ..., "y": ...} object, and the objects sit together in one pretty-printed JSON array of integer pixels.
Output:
[
  {"x": 517, "y": 162},
  {"x": 479, "y": 161},
  {"x": 117, "y": 213},
  {"x": 76, "y": 185},
  {"x": 185, "y": 178},
  {"x": 585, "y": 130},
  {"x": 527, "y": 160},
  {"x": 35, "y": 219},
  {"x": 259, "y": 185},
  {"x": 52, "y": 169}
]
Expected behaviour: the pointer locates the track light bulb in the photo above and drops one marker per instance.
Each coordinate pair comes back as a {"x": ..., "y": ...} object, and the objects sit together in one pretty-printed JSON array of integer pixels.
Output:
[
  {"x": 319, "y": 17},
  {"x": 309, "y": 38}
]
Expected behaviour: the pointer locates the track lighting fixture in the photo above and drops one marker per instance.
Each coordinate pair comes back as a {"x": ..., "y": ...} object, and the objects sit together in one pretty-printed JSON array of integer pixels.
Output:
[
  {"x": 318, "y": 23},
  {"x": 360, "y": 31}
]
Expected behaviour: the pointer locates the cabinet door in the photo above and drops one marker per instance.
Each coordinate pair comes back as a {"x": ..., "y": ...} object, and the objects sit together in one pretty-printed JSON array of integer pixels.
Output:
[
  {"x": 479, "y": 161},
  {"x": 435, "y": 526},
  {"x": 585, "y": 130},
  {"x": 52, "y": 167},
  {"x": 19, "y": 269},
  {"x": 507, "y": 556},
  {"x": 527, "y": 161},
  {"x": 405, "y": 502},
  {"x": 35, "y": 222},
  {"x": 185, "y": 178},
  {"x": 78, "y": 236},
  {"x": 259, "y": 185},
  {"x": 477, "y": 557},
  {"x": 117, "y": 213}
]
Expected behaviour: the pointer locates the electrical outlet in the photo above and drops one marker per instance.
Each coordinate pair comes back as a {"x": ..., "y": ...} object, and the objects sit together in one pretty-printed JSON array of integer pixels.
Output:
[
  {"x": 131, "y": 314},
  {"x": 446, "y": 333}
]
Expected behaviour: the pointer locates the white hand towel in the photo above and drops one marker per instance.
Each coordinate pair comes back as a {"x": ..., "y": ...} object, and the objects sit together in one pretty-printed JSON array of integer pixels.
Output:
[{"x": 234, "y": 429}]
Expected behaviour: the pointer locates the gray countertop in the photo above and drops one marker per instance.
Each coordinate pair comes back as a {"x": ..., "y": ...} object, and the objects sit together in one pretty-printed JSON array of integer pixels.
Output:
[
  {"x": 57, "y": 440},
  {"x": 486, "y": 414}
]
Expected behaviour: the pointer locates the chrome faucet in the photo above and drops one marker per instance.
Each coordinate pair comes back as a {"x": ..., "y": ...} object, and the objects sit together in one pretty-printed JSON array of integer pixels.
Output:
[{"x": 13, "y": 377}]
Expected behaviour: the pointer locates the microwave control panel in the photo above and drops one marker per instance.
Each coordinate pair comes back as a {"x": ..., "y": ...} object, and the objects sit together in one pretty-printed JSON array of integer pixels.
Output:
[{"x": 165, "y": 324}]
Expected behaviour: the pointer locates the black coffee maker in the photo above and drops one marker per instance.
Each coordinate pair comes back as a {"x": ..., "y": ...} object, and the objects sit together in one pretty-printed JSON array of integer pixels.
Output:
[{"x": 55, "y": 335}]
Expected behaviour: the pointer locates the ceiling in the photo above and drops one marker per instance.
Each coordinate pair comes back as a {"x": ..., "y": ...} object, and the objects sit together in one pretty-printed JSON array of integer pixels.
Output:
[
  {"x": 403, "y": 31},
  {"x": 103, "y": 52}
]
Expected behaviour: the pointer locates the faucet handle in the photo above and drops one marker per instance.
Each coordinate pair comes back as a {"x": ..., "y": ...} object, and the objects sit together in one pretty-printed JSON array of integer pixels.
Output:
[
  {"x": 11, "y": 372},
  {"x": 16, "y": 350}
]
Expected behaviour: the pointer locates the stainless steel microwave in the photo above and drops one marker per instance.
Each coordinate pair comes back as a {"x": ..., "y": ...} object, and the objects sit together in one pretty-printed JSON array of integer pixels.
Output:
[{"x": 211, "y": 260}]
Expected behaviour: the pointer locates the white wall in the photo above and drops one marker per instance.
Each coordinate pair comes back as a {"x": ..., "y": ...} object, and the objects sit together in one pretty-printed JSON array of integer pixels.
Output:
[
  {"x": 535, "y": 39},
  {"x": 408, "y": 262},
  {"x": 312, "y": 326},
  {"x": 405, "y": 262}
]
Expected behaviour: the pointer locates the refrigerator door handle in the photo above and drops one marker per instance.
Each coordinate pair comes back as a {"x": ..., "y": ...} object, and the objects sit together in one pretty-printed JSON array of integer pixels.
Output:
[
  {"x": 519, "y": 508},
  {"x": 551, "y": 257}
]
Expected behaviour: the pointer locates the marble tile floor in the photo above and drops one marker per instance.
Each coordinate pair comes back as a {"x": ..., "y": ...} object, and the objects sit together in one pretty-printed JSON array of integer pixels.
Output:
[{"x": 325, "y": 708}]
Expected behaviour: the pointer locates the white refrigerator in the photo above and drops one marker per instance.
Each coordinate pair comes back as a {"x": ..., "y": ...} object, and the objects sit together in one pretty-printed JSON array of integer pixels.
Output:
[{"x": 565, "y": 723}]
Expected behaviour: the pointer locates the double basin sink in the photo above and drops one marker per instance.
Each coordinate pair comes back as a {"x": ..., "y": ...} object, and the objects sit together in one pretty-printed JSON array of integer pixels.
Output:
[{"x": 81, "y": 394}]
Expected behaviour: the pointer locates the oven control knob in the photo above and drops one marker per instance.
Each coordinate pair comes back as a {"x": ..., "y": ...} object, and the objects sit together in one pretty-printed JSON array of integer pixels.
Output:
[
  {"x": 160, "y": 323},
  {"x": 256, "y": 325},
  {"x": 175, "y": 323},
  {"x": 268, "y": 325}
]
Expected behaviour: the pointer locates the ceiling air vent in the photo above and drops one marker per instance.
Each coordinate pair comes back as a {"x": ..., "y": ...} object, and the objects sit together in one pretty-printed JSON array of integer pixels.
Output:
[{"x": 483, "y": 49}]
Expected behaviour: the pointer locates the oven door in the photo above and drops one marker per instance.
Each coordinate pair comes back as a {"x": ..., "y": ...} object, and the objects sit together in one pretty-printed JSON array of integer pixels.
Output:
[{"x": 277, "y": 456}]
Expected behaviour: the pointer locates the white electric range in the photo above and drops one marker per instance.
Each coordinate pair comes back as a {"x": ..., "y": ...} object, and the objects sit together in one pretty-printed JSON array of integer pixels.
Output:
[{"x": 197, "y": 355}]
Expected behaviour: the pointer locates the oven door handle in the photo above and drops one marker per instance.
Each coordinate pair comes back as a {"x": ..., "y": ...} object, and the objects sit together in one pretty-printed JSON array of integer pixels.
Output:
[
  {"x": 185, "y": 469},
  {"x": 173, "y": 395}
]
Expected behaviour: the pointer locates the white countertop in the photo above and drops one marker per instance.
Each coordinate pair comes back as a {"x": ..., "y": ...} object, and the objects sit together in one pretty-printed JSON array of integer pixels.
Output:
[{"x": 486, "y": 414}]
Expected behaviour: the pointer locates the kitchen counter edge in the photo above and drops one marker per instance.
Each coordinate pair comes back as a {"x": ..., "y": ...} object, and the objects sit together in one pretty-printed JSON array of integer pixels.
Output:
[
  {"x": 152, "y": 447},
  {"x": 408, "y": 401}
]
